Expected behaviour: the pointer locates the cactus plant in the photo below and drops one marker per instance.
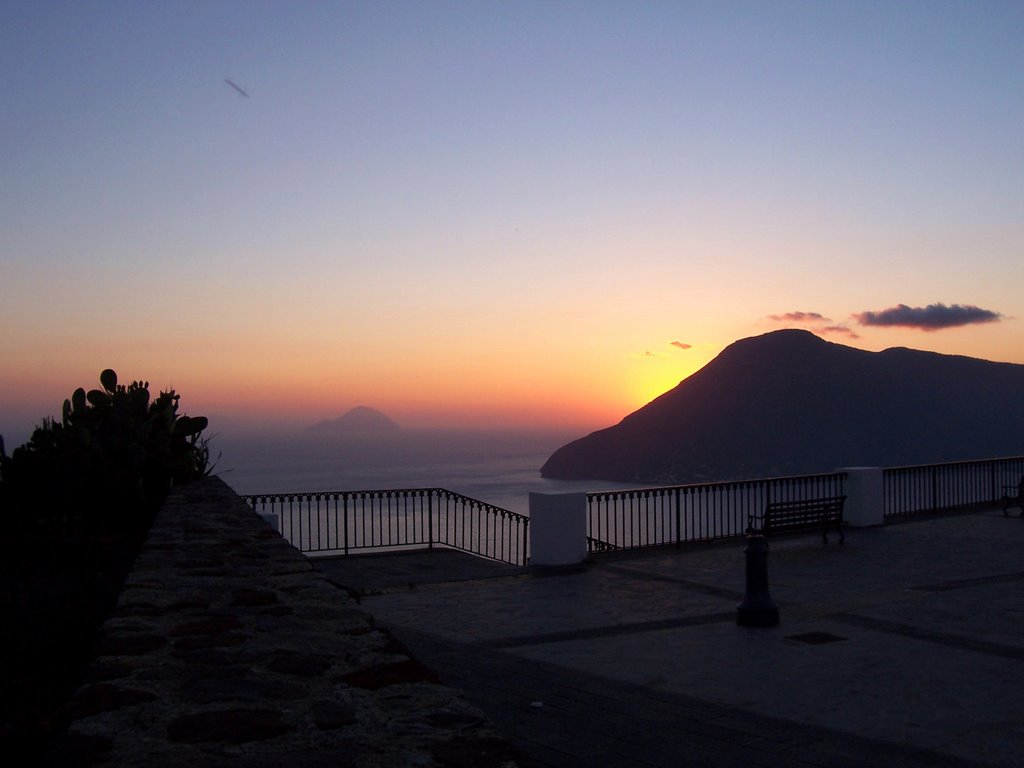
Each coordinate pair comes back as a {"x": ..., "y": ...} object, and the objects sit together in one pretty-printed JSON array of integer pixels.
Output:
[
  {"x": 113, "y": 446},
  {"x": 108, "y": 379}
]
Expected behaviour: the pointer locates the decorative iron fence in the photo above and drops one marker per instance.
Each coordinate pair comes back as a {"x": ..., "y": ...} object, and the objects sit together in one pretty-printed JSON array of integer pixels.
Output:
[
  {"x": 934, "y": 487},
  {"x": 651, "y": 517},
  {"x": 341, "y": 522}
]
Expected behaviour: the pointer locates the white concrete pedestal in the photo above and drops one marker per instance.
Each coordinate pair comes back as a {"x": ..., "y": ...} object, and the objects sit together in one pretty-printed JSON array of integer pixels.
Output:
[
  {"x": 558, "y": 528},
  {"x": 865, "y": 496}
]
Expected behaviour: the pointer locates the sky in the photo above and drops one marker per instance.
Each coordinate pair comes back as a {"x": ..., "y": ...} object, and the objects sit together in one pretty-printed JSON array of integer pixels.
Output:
[{"x": 494, "y": 214}]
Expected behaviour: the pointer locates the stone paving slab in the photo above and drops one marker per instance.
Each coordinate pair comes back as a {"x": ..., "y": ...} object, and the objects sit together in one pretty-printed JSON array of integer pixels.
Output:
[
  {"x": 641, "y": 654},
  {"x": 399, "y": 570}
]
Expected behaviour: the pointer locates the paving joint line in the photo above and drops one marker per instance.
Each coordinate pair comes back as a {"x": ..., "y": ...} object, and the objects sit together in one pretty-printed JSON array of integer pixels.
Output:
[
  {"x": 947, "y": 639},
  {"x": 608, "y": 630},
  {"x": 979, "y": 581}
]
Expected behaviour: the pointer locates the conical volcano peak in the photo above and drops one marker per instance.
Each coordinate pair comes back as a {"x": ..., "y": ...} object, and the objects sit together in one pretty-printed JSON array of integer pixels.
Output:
[{"x": 361, "y": 419}]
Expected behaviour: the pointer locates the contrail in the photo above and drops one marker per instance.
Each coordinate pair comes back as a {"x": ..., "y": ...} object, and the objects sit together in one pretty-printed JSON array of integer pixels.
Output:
[{"x": 236, "y": 87}]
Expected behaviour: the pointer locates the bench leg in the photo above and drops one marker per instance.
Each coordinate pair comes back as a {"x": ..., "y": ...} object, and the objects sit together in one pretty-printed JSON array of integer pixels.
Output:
[{"x": 824, "y": 534}]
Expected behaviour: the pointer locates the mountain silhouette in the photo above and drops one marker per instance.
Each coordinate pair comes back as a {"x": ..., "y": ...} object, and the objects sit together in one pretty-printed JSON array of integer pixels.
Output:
[
  {"x": 360, "y": 420},
  {"x": 790, "y": 403}
]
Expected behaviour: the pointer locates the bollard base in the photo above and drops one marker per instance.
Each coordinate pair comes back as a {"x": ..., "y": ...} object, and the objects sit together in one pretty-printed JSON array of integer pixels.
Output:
[{"x": 767, "y": 616}]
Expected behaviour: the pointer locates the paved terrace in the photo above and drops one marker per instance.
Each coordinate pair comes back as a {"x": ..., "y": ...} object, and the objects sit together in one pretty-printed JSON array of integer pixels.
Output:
[{"x": 902, "y": 647}]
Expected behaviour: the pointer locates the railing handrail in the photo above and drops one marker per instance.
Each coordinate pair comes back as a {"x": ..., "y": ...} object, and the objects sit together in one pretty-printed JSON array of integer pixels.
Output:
[
  {"x": 718, "y": 484},
  {"x": 959, "y": 463},
  {"x": 392, "y": 492}
]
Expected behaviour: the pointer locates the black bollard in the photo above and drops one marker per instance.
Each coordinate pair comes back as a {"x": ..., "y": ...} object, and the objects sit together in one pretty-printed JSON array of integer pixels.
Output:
[{"x": 757, "y": 608}]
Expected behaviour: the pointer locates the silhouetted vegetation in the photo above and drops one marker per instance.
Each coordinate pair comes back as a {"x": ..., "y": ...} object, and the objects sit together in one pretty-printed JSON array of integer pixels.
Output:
[
  {"x": 114, "y": 451},
  {"x": 76, "y": 501}
]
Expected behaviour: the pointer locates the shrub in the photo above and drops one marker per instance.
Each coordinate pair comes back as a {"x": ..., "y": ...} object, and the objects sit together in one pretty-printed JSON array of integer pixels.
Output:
[{"x": 114, "y": 452}]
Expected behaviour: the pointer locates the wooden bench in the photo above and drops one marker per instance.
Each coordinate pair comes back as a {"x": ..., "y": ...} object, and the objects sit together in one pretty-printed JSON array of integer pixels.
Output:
[
  {"x": 806, "y": 514},
  {"x": 1014, "y": 497}
]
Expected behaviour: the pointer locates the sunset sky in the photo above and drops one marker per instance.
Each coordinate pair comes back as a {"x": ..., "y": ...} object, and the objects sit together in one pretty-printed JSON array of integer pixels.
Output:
[{"x": 481, "y": 213}]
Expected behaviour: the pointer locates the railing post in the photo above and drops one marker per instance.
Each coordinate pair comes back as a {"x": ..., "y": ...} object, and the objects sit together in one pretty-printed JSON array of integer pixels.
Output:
[
  {"x": 524, "y": 559},
  {"x": 344, "y": 507},
  {"x": 679, "y": 517},
  {"x": 430, "y": 520}
]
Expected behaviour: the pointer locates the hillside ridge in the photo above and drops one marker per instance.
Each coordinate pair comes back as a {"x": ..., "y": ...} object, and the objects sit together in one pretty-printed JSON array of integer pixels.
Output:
[{"x": 789, "y": 402}]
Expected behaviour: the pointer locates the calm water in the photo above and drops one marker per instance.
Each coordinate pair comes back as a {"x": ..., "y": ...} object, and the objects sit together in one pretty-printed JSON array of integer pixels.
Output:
[{"x": 500, "y": 468}]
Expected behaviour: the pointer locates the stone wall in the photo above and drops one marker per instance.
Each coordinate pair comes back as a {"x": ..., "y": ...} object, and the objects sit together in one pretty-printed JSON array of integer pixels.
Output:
[{"x": 227, "y": 646}]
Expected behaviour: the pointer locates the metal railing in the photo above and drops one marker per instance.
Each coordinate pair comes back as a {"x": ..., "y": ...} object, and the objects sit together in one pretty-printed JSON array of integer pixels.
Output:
[
  {"x": 341, "y": 522},
  {"x": 651, "y": 517},
  {"x": 934, "y": 487}
]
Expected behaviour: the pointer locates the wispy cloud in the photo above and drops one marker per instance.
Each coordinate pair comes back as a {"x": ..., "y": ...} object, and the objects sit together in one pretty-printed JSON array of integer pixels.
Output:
[
  {"x": 671, "y": 347},
  {"x": 837, "y": 330},
  {"x": 800, "y": 317},
  {"x": 816, "y": 322},
  {"x": 934, "y": 317}
]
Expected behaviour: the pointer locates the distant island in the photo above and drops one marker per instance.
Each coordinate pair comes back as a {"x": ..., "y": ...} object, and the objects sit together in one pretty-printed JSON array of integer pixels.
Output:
[
  {"x": 361, "y": 420},
  {"x": 789, "y": 402}
]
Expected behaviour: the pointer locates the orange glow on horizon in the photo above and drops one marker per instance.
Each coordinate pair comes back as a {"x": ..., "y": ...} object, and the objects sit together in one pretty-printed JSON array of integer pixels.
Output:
[{"x": 529, "y": 382}]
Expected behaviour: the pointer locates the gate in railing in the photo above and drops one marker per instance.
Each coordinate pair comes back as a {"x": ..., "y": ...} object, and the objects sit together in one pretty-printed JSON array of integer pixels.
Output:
[
  {"x": 341, "y": 522},
  {"x": 651, "y": 517},
  {"x": 933, "y": 487}
]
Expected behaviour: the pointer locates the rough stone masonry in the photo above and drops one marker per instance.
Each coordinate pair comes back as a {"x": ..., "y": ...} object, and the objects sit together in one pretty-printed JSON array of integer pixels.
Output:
[{"x": 227, "y": 646}]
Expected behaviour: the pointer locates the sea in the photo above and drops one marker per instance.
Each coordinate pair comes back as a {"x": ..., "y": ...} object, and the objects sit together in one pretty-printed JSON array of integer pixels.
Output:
[{"x": 497, "y": 467}]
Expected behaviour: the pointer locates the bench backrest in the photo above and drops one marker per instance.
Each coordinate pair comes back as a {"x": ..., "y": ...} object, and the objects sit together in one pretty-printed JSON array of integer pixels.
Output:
[{"x": 804, "y": 510}]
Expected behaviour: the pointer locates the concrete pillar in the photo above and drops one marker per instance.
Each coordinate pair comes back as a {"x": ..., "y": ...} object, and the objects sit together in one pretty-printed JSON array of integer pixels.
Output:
[
  {"x": 865, "y": 496},
  {"x": 271, "y": 519},
  {"x": 558, "y": 528}
]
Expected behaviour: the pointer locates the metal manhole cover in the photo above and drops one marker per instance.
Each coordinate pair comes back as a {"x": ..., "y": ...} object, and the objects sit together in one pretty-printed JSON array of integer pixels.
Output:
[{"x": 816, "y": 638}]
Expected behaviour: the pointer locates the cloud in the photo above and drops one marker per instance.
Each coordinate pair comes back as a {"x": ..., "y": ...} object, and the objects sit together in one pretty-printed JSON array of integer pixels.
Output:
[
  {"x": 815, "y": 319},
  {"x": 841, "y": 330},
  {"x": 681, "y": 345},
  {"x": 647, "y": 353},
  {"x": 800, "y": 317},
  {"x": 934, "y": 317}
]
